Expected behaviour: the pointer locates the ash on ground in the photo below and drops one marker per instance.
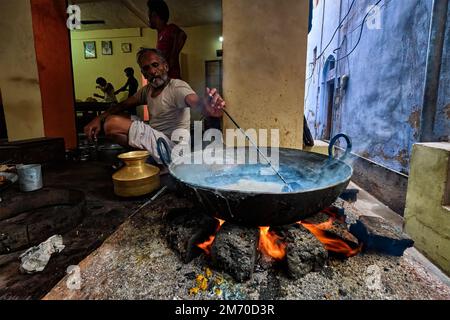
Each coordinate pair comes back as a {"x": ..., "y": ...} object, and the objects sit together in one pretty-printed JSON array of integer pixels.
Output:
[{"x": 137, "y": 263}]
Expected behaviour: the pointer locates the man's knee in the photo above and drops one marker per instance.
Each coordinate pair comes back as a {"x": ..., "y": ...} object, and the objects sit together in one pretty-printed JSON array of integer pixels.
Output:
[{"x": 115, "y": 125}]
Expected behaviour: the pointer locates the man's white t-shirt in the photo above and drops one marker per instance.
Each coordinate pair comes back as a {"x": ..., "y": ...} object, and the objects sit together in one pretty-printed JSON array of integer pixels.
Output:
[{"x": 168, "y": 111}]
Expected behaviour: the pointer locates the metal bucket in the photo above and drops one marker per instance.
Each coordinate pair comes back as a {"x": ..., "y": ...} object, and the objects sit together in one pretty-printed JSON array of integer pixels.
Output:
[{"x": 30, "y": 177}]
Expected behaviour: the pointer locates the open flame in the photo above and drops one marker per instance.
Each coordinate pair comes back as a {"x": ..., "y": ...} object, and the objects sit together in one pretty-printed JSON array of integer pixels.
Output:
[
  {"x": 271, "y": 244},
  {"x": 330, "y": 243},
  {"x": 206, "y": 246}
]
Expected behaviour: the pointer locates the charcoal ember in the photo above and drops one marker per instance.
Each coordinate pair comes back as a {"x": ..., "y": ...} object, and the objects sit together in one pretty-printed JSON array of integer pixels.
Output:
[
  {"x": 264, "y": 262},
  {"x": 338, "y": 203},
  {"x": 186, "y": 227},
  {"x": 318, "y": 218},
  {"x": 234, "y": 250},
  {"x": 304, "y": 253},
  {"x": 339, "y": 230},
  {"x": 335, "y": 211},
  {"x": 378, "y": 235},
  {"x": 349, "y": 195},
  {"x": 327, "y": 213}
]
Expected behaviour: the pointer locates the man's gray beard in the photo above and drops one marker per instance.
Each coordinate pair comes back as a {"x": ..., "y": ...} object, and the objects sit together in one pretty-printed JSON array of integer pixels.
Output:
[{"x": 159, "y": 82}]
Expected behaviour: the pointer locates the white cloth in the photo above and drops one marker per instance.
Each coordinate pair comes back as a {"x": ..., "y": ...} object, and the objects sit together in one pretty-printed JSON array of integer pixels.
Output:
[
  {"x": 36, "y": 258},
  {"x": 143, "y": 136}
]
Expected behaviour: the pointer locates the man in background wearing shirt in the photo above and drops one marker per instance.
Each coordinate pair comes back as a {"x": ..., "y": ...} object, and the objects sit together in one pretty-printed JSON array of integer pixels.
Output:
[{"x": 171, "y": 38}]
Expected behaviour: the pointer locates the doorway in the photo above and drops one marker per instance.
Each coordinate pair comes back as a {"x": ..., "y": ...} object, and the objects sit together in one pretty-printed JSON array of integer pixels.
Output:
[
  {"x": 327, "y": 100},
  {"x": 213, "y": 79},
  {"x": 329, "y": 110}
]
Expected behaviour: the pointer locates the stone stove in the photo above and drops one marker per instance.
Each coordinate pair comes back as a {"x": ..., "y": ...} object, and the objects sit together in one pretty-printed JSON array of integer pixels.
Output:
[
  {"x": 137, "y": 262},
  {"x": 297, "y": 249}
]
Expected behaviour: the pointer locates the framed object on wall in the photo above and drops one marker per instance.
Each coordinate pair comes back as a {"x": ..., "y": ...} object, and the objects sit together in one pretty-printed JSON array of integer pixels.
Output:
[
  {"x": 126, "y": 47},
  {"x": 107, "y": 47},
  {"x": 90, "y": 51}
]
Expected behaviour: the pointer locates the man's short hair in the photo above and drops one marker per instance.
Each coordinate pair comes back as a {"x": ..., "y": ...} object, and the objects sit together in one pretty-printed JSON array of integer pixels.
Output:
[
  {"x": 100, "y": 80},
  {"x": 129, "y": 70},
  {"x": 143, "y": 51},
  {"x": 160, "y": 8}
]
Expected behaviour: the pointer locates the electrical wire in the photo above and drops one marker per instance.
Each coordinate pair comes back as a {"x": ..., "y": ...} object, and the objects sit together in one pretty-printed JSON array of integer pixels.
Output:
[
  {"x": 332, "y": 37},
  {"x": 335, "y": 31},
  {"x": 360, "y": 32},
  {"x": 361, "y": 25},
  {"x": 386, "y": 2}
]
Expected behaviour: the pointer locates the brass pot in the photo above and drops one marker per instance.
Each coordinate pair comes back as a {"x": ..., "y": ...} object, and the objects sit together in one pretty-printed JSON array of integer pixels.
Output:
[{"x": 136, "y": 178}]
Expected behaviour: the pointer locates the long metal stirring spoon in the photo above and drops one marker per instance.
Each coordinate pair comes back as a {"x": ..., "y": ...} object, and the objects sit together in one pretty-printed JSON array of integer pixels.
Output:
[{"x": 289, "y": 188}]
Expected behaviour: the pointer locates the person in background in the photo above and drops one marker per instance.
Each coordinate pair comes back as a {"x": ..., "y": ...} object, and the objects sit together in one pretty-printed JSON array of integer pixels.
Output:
[
  {"x": 131, "y": 86},
  {"x": 171, "y": 38},
  {"x": 168, "y": 101},
  {"x": 107, "y": 89}
]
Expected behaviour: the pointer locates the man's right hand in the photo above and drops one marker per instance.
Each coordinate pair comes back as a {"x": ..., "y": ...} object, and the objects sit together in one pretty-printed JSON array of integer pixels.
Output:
[{"x": 92, "y": 129}]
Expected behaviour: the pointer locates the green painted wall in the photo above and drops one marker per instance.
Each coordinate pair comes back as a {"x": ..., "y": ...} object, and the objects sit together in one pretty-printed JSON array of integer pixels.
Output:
[{"x": 427, "y": 215}]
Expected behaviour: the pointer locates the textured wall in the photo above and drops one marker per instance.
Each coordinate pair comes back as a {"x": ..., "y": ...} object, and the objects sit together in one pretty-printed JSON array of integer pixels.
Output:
[
  {"x": 380, "y": 110},
  {"x": 427, "y": 210},
  {"x": 264, "y": 65},
  {"x": 19, "y": 76}
]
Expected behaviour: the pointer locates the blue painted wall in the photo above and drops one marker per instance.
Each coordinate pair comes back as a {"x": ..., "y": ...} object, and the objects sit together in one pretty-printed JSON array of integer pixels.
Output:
[{"x": 380, "y": 108}]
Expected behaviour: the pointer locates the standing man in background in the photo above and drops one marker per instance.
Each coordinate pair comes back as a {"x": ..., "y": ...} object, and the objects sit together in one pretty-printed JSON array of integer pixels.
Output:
[
  {"x": 171, "y": 38},
  {"x": 131, "y": 86}
]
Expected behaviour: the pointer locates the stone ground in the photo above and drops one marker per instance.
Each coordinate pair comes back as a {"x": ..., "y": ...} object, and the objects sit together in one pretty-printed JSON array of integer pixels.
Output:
[{"x": 135, "y": 262}]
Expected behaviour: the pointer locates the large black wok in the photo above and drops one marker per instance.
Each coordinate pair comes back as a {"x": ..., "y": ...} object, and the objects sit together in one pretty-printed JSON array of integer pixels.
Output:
[{"x": 239, "y": 193}]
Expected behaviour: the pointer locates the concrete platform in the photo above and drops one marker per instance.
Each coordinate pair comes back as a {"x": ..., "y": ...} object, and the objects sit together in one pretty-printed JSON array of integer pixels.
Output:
[
  {"x": 319, "y": 147},
  {"x": 136, "y": 263},
  {"x": 427, "y": 210}
]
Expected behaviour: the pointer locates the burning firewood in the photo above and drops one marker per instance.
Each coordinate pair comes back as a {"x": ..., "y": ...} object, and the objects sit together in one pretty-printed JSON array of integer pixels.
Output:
[
  {"x": 304, "y": 252},
  {"x": 187, "y": 227},
  {"x": 234, "y": 250}
]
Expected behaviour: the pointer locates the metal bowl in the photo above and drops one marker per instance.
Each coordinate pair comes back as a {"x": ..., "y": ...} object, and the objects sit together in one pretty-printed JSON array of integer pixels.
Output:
[{"x": 320, "y": 180}]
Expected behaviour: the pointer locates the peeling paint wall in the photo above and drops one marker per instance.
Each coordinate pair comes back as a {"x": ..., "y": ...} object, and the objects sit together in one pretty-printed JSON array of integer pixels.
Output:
[
  {"x": 381, "y": 106},
  {"x": 442, "y": 125}
]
